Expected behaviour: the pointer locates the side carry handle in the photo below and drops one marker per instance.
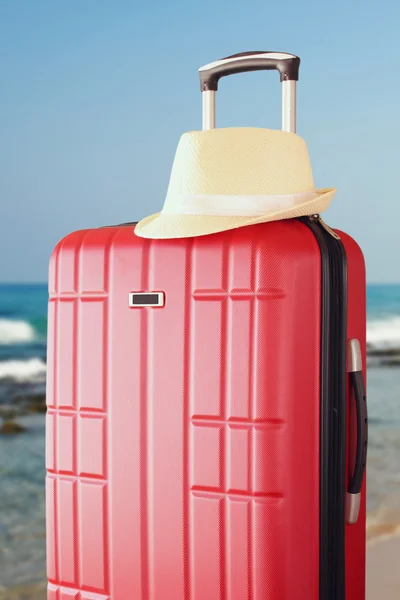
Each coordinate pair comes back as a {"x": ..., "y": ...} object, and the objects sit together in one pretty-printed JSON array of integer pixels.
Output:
[
  {"x": 287, "y": 65},
  {"x": 358, "y": 387}
]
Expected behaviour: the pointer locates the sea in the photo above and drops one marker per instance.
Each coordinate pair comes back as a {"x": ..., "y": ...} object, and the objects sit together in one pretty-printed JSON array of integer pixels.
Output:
[{"x": 23, "y": 371}]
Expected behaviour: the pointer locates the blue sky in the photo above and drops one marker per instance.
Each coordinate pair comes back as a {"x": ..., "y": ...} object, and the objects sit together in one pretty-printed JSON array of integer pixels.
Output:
[{"x": 95, "y": 94}]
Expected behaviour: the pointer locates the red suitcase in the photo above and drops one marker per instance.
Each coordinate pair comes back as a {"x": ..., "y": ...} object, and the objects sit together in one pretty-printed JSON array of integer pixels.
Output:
[{"x": 206, "y": 440}]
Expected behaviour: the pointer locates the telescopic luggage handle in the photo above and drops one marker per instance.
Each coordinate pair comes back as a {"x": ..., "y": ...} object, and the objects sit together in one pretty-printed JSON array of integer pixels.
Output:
[{"x": 287, "y": 65}]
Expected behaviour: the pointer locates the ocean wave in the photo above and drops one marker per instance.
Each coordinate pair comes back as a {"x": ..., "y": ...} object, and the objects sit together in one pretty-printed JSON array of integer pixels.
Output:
[
  {"x": 383, "y": 341},
  {"x": 33, "y": 369},
  {"x": 384, "y": 333},
  {"x": 16, "y": 332}
]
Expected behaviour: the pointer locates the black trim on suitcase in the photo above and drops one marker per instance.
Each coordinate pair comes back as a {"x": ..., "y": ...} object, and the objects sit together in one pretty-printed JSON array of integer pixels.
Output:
[
  {"x": 333, "y": 411},
  {"x": 121, "y": 224}
]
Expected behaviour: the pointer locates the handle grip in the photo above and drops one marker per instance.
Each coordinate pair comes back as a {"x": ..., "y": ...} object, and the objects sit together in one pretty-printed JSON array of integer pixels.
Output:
[
  {"x": 358, "y": 387},
  {"x": 287, "y": 65}
]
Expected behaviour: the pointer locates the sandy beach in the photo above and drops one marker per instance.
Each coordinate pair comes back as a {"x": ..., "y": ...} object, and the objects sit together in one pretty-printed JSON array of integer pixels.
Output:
[
  {"x": 383, "y": 569},
  {"x": 383, "y": 575}
]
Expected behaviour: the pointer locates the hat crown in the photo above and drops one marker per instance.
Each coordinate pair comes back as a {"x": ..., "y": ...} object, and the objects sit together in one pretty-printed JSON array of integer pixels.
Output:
[
  {"x": 222, "y": 179},
  {"x": 239, "y": 161}
]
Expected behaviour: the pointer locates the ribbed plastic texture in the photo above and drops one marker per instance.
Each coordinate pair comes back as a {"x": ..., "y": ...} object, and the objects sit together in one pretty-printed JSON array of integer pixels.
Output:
[{"x": 183, "y": 441}]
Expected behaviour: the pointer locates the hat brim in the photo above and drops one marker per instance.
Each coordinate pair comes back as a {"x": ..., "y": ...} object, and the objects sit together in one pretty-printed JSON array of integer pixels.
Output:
[{"x": 170, "y": 226}]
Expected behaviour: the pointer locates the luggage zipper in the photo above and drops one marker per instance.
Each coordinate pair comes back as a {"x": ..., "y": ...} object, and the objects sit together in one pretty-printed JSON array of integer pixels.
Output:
[
  {"x": 317, "y": 219},
  {"x": 333, "y": 409},
  {"x": 120, "y": 224}
]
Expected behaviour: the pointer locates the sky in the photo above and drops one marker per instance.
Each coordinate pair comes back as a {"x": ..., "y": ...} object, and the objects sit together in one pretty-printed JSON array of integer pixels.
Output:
[{"x": 95, "y": 94}]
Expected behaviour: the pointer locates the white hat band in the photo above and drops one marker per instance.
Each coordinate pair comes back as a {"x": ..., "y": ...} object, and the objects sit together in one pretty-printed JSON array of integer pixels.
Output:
[{"x": 234, "y": 206}]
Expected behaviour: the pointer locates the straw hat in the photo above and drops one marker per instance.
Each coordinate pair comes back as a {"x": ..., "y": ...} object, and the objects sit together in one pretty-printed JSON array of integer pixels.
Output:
[{"x": 227, "y": 178}]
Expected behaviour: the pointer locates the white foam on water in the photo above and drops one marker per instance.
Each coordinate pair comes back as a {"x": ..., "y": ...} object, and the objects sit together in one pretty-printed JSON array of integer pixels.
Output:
[
  {"x": 15, "y": 332},
  {"x": 384, "y": 334},
  {"x": 33, "y": 369}
]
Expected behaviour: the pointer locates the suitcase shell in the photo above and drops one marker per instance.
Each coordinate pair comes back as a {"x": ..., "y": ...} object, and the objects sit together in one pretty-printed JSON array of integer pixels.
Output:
[{"x": 184, "y": 441}]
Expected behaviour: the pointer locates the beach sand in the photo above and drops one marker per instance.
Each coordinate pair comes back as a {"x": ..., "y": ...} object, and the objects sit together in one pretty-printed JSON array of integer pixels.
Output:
[
  {"x": 383, "y": 570},
  {"x": 383, "y": 575}
]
